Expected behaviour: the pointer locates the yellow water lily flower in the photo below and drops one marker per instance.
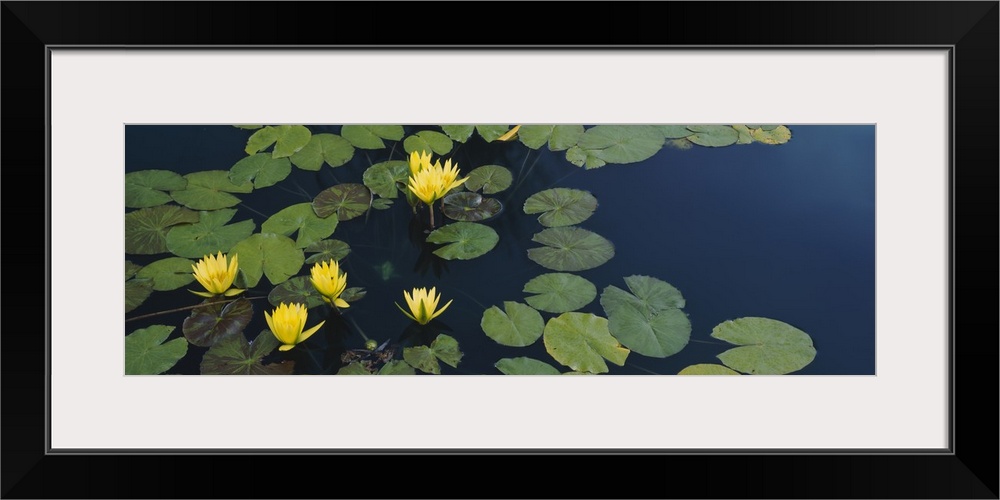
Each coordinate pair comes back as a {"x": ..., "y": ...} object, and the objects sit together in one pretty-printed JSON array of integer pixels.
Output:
[
  {"x": 216, "y": 275},
  {"x": 431, "y": 183},
  {"x": 423, "y": 305},
  {"x": 287, "y": 323},
  {"x": 419, "y": 161},
  {"x": 330, "y": 282}
]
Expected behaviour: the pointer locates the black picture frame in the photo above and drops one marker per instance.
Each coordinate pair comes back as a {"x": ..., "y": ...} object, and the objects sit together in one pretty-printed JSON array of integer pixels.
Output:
[{"x": 968, "y": 470}]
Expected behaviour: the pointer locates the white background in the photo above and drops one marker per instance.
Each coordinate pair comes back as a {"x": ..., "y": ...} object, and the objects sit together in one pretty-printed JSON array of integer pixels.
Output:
[{"x": 904, "y": 406}]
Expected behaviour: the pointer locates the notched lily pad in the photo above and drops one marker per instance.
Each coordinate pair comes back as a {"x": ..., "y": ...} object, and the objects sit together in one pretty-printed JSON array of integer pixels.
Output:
[
  {"x": 490, "y": 178},
  {"x": 463, "y": 240},
  {"x": 621, "y": 143},
  {"x": 327, "y": 250},
  {"x": 210, "y": 190},
  {"x": 331, "y": 148},
  {"x": 137, "y": 290},
  {"x": 707, "y": 369},
  {"x": 561, "y": 206},
  {"x": 147, "y": 188},
  {"x": 217, "y": 321},
  {"x": 470, "y": 207},
  {"x": 346, "y": 200},
  {"x": 570, "y": 249},
  {"x": 296, "y": 290},
  {"x": 287, "y": 139},
  {"x": 648, "y": 320},
  {"x": 490, "y": 133},
  {"x": 236, "y": 356},
  {"x": 582, "y": 342},
  {"x": 559, "y": 292},
  {"x": 769, "y": 347},
  {"x": 268, "y": 254},
  {"x": 428, "y": 140},
  {"x": 381, "y": 178},
  {"x": 302, "y": 218},
  {"x": 370, "y": 136},
  {"x": 425, "y": 358},
  {"x": 146, "y": 228},
  {"x": 168, "y": 274},
  {"x": 147, "y": 354},
  {"x": 260, "y": 168},
  {"x": 713, "y": 135},
  {"x": 674, "y": 131},
  {"x": 519, "y": 326},
  {"x": 458, "y": 133},
  {"x": 209, "y": 235},
  {"x": 353, "y": 293},
  {"x": 525, "y": 366}
]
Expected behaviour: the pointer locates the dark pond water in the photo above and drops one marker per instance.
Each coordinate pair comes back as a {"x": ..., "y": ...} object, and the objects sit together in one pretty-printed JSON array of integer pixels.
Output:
[{"x": 784, "y": 232}]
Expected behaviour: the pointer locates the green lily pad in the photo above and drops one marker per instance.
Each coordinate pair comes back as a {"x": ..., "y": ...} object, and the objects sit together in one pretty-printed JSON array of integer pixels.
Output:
[
  {"x": 353, "y": 293},
  {"x": 713, "y": 135},
  {"x": 381, "y": 178},
  {"x": 707, "y": 369},
  {"x": 168, "y": 274},
  {"x": 296, "y": 290},
  {"x": 147, "y": 354},
  {"x": 396, "y": 367},
  {"x": 535, "y": 136},
  {"x": 559, "y": 137},
  {"x": 346, "y": 200},
  {"x": 570, "y": 249},
  {"x": 248, "y": 127},
  {"x": 260, "y": 168},
  {"x": 674, "y": 131},
  {"x": 650, "y": 321},
  {"x": 745, "y": 137},
  {"x": 559, "y": 292},
  {"x": 470, "y": 207},
  {"x": 300, "y": 217},
  {"x": 327, "y": 250},
  {"x": 131, "y": 268},
  {"x": 458, "y": 133},
  {"x": 766, "y": 128},
  {"x": 236, "y": 356},
  {"x": 582, "y": 342},
  {"x": 268, "y": 254},
  {"x": 519, "y": 326},
  {"x": 287, "y": 139},
  {"x": 210, "y": 190},
  {"x": 209, "y": 235},
  {"x": 525, "y": 366},
  {"x": 217, "y": 321},
  {"x": 588, "y": 159},
  {"x": 490, "y": 133},
  {"x": 622, "y": 143},
  {"x": 778, "y": 135},
  {"x": 137, "y": 290},
  {"x": 381, "y": 203},
  {"x": 561, "y": 206},
  {"x": 463, "y": 240},
  {"x": 146, "y": 228},
  {"x": 428, "y": 140},
  {"x": 490, "y": 178},
  {"x": 145, "y": 188},
  {"x": 425, "y": 358},
  {"x": 769, "y": 347},
  {"x": 331, "y": 148},
  {"x": 370, "y": 136}
]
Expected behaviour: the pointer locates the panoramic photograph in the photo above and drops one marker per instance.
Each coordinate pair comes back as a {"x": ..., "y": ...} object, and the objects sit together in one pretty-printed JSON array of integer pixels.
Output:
[{"x": 516, "y": 249}]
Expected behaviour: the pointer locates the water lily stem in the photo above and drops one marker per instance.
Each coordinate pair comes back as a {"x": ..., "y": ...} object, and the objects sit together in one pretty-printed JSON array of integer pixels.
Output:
[
  {"x": 188, "y": 308},
  {"x": 431, "y": 210}
]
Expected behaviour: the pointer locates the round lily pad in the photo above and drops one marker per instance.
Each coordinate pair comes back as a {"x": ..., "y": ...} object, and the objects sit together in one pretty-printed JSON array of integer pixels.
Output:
[
  {"x": 713, "y": 135},
  {"x": 217, "y": 321},
  {"x": 707, "y": 369},
  {"x": 346, "y": 200},
  {"x": 146, "y": 188},
  {"x": 525, "y": 366},
  {"x": 331, "y": 148},
  {"x": 519, "y": 326},
  {"x": 146, "y": 228},
  {"x": 470, "y": 207},
  {"x": 262, "y": 169},
  {"x": 210, "y": 190},
  {"x": 236, "y": 356},
  {"x": 622, "y": 143},
  {"x": 290, "y": 139},
  {"x": 209, "y": 235},
  {"x": 582, "y": 342},
  {"x": 648, "y": 320},
  {"x": 268, "y": 254},
  {"x": 168, "y": 274},
  {"x": 561, "y": 206},
  {"x": 327, "y": 250},
  {"x": 147, "y": 354},
  {"x": 570, "y": 249},
  {"x": 490, "y": 178},
  {"x": 381, "y": 178},
  {"x": 296, "y": 290},
  {"x": 559, "y": 292},
  {"x": 428, "y": 140},
  {"x": 463, "y": 240},
  {"x": 674, "y": 131},
  {"x": 300, "y": 217},
  {"x": 458, "y": 133},
  {"x": 769, "y": 347}
]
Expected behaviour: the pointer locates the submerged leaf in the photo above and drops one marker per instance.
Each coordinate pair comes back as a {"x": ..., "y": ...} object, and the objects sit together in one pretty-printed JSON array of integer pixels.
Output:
[
  {"x": 210, "y": 190},
  {"x": 381, "y": 178},
  {"x": 268, "y": 253},
  {"x": 519, "y": 326},
  {"x": 582, "y": 342},
  {"x": 300, "y": 217},
  {"x": 331, "y": 148},
  {"x": 217, "y": 321},
  {"x": 145, "y": 188},
  {"x": 147, "y": 354},
  {"x": 346, "y": 200},
  {"x": 561, "y": 206},
  {"x": 209, "y": 235},
  {"x": 559, "y": 292},
  {"x": 769, "y": 347},
  {"x": 428, "y": 140},
  {"x": 146, "y": 228},
  {"x": 168, "y": 274},
  {"x": 570, "y": 249},
  {"x": 469, "y": 207},
  {"x": 490, "y": 178},
  {"x": 463, "y": 240},
  {"x": 525, "y": 366},
  {"x": 235, "y": 356}
]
